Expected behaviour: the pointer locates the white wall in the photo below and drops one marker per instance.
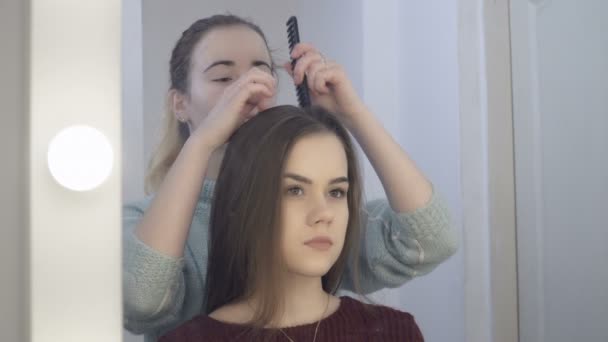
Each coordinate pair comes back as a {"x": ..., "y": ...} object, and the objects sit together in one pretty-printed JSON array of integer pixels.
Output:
[{"x": 429, "y": 124}]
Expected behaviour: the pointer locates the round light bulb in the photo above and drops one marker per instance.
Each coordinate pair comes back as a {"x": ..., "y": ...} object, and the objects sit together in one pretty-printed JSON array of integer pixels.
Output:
[{"x": 80, "y": 158}]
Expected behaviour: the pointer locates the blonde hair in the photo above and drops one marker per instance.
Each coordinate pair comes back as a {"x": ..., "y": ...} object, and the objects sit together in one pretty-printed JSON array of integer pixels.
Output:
[{"x": 175, "y": 134}]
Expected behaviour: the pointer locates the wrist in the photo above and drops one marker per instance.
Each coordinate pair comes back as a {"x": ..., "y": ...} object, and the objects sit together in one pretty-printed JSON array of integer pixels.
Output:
[
  {"x": 360, "y": 119},
  {"x": 200, "y": 143}
]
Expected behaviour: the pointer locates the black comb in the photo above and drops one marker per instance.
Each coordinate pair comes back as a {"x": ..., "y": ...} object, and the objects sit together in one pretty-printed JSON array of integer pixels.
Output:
[{"x": 293, "y": 36}]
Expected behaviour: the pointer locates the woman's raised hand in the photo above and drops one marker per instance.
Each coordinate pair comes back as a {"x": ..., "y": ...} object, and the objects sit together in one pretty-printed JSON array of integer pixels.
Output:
[
  {"x": 327, "y": 81},
  {"x": 251, "y": 93}
]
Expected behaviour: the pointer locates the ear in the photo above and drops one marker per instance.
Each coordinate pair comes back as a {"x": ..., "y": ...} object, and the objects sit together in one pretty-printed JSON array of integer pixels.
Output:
[{"x": 179, "y": 105}]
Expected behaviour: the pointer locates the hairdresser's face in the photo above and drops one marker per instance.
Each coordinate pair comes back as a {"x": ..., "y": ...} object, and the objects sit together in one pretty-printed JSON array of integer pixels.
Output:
[
  {"x": 314, "y": 205},
  {"x": 219, "y": 58}
]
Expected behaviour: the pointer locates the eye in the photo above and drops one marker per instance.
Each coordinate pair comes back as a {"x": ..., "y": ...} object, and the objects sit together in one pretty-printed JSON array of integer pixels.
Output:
[
  {"x": 223, "y": 79},
  {"x": 338, "y": 193},
  {"x": 294, "y": 190}
]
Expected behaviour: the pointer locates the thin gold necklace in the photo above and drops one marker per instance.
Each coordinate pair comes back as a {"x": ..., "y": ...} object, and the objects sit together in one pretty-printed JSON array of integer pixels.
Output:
[{"x": 318, "y": 323}]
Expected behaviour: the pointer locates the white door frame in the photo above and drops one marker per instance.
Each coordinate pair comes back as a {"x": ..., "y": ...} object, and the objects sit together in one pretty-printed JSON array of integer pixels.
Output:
[{"x": 489, "y": 240}]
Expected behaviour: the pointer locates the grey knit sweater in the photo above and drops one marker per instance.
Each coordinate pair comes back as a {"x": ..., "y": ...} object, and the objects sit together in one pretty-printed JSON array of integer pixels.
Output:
[{"x": 162, "y": 292}]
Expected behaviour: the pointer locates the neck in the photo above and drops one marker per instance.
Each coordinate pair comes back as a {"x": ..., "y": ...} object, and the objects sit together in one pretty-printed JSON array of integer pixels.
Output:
[{"x": 305, "y": 301}]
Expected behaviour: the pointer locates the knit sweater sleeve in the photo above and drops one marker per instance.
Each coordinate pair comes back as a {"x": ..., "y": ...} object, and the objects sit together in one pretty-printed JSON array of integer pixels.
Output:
[
  {"x": 153, "y": 283},
  {"x": 397, "y": 247}
]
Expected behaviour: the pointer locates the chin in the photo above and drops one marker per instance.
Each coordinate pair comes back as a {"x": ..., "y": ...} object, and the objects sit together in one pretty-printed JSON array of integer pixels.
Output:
[{"x": 311, "y": 269}]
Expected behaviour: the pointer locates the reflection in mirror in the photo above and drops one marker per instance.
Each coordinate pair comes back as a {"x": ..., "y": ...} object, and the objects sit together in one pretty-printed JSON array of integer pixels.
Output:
[{"x": 194, "y": 81}]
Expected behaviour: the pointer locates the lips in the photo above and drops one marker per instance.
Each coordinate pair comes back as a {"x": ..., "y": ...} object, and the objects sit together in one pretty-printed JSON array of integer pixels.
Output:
[{"x": 321, "y": 243}]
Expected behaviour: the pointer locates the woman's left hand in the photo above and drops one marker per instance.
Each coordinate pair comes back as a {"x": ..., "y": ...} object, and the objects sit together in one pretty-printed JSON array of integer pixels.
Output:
[{"x": 328, "y": 83}]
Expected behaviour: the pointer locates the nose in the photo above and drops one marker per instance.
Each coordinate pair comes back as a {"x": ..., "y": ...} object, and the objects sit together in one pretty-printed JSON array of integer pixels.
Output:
[{"x": 320, "y": 213}]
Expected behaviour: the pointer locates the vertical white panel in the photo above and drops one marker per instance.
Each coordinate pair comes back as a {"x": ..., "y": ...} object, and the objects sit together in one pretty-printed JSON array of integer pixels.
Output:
[
  {"x": 474, "y": 156},
  {"x": 560, "y": 68},
  {"x": 528, "y": 170},
  {"x": 501, "y": 184},
  {"x": 74, "y": 237}
]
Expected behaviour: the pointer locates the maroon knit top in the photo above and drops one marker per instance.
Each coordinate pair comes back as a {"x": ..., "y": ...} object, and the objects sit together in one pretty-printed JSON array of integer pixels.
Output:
[{"x": 353, "y": 321}]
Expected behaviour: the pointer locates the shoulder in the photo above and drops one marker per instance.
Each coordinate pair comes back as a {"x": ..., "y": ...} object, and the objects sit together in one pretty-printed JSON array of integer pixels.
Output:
[
  {"x": 381, "y": 319},
  {"x": 235, "y": 313},
  {"x": 191, "y": 330},
  {"x": 214, "y": 327},
  {"x": 373, "y": 309}
]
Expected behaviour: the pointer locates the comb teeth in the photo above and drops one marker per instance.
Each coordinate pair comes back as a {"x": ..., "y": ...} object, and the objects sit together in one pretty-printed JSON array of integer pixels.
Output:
[
  {"x": 302, "y": 94},
  {"x": 293, "y": 37}
]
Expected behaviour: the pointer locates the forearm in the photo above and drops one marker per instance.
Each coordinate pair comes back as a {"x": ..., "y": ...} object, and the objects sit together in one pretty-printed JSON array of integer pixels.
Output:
[
  {"x": 406, "y": 187},
  {"x": 165, "y": 225}
]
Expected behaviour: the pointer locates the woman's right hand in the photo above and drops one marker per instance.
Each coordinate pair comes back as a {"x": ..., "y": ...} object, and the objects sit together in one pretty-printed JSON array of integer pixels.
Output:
[{"x": 251, "y": 93}]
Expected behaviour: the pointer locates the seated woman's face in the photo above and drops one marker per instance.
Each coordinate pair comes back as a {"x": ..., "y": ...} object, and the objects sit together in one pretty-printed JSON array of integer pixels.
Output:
[{"x": 314, "y": 206}]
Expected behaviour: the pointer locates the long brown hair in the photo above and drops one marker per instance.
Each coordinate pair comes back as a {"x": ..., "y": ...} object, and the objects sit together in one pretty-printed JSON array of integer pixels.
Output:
[
  {"x": 176, "y": 133},
  {"x": 244, "y": 231}
]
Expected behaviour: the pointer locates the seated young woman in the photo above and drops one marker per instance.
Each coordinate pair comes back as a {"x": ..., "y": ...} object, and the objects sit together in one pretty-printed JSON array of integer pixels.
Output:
[{"x": 284, "y": 224}]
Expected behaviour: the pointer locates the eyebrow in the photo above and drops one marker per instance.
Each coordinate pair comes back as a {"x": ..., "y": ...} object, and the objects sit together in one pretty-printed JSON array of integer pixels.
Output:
[
  {"x": 231, "y": 63},
  {"x": 308, "y": 181}
]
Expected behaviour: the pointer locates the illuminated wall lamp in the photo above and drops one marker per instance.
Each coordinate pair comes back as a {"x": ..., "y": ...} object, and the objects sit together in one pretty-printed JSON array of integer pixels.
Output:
[{"x": 80, "y": 158}]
